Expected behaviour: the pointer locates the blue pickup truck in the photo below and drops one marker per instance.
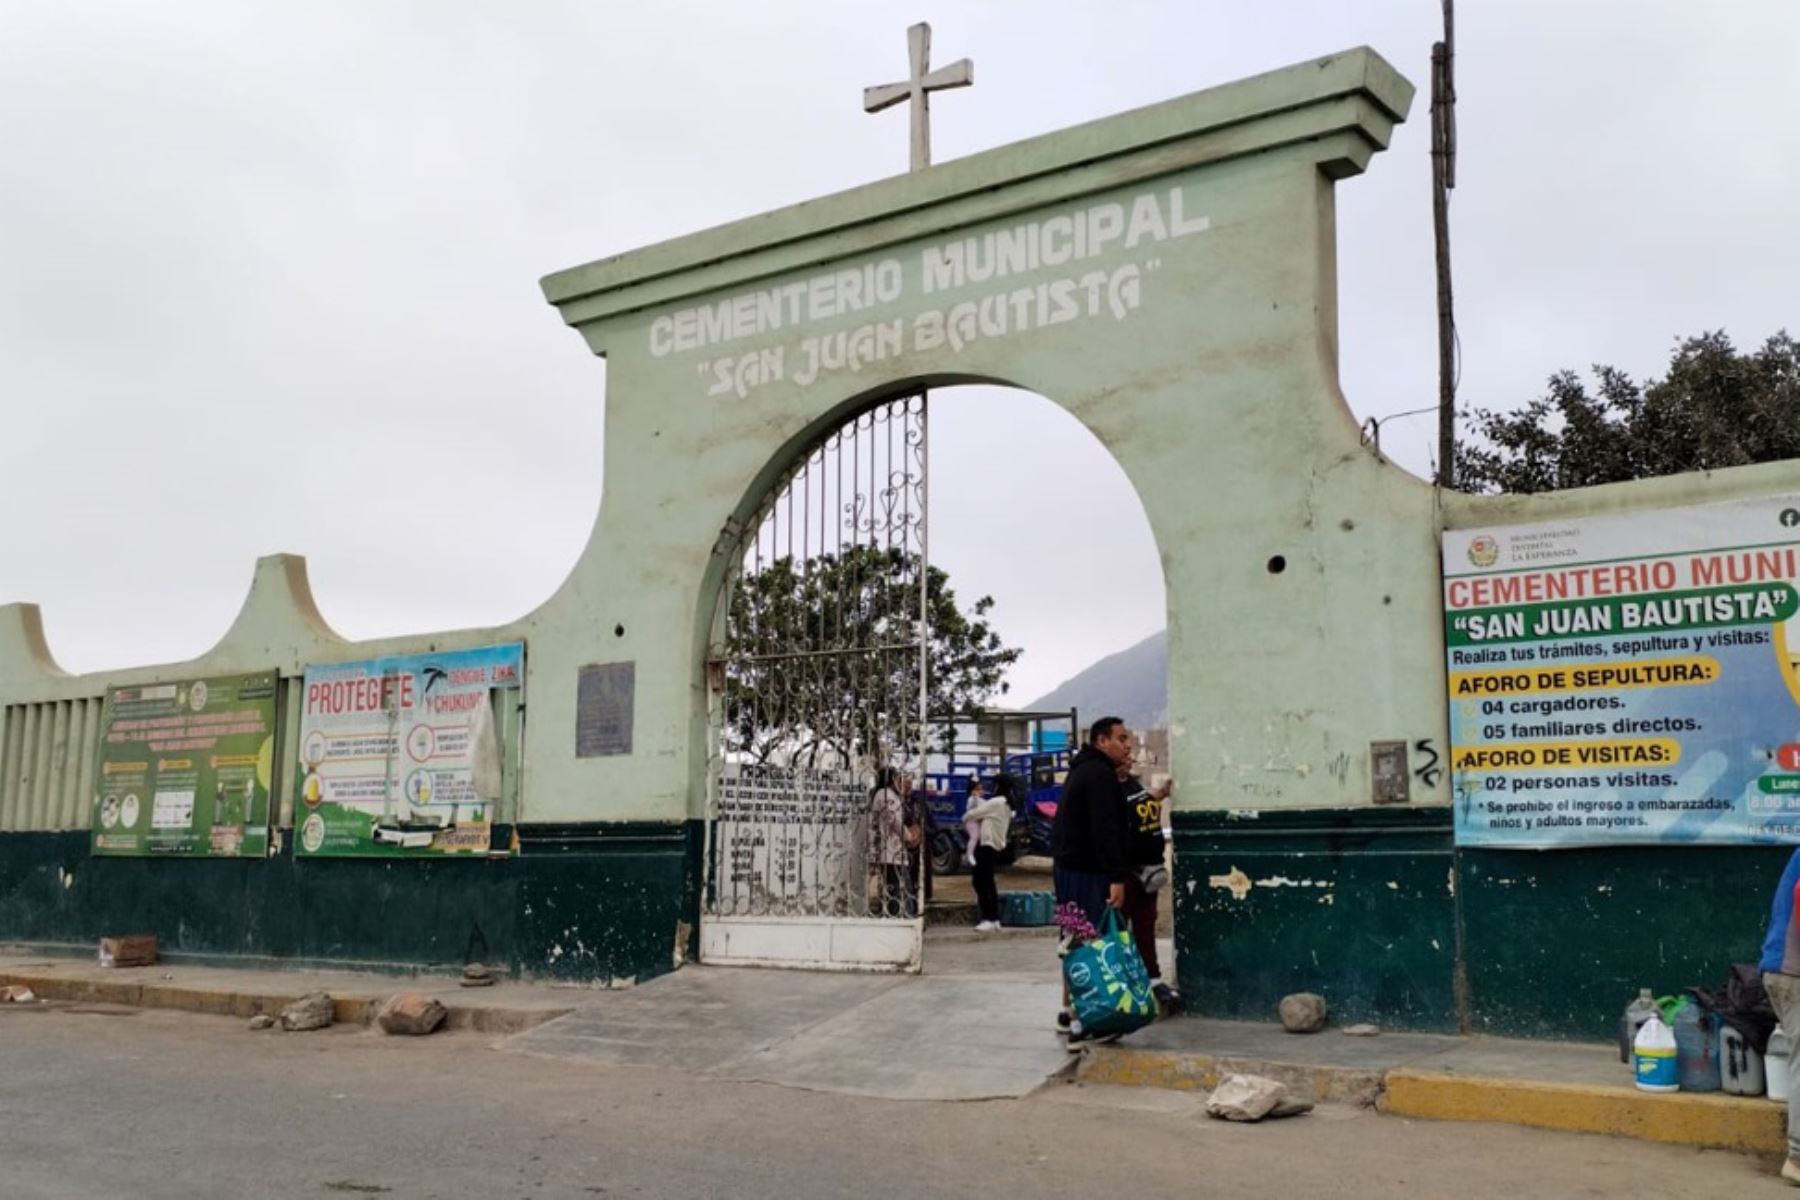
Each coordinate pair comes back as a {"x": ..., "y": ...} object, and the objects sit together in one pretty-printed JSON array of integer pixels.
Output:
[{"x": 1039, "y": 775}]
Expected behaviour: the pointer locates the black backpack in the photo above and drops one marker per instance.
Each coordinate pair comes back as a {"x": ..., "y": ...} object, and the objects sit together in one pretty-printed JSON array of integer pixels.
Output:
[{"x": 1743, "y": 1004}]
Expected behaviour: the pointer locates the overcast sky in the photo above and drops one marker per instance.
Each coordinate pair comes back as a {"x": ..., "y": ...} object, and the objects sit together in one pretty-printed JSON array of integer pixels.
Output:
[{"x": 267, "y": 272}]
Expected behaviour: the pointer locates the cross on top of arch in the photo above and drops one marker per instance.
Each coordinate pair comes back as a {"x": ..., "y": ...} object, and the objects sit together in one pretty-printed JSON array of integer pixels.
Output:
[{"x": 918, "y": 88}]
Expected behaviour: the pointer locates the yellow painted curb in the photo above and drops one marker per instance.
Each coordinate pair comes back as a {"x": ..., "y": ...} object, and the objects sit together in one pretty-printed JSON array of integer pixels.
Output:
[
  {"x": 1682, "y": 1118},
  {"x": 1133, "y": 1068}
]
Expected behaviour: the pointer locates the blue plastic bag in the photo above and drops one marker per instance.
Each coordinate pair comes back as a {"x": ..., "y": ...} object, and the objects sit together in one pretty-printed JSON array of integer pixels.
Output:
[{"x": 1109, "y": 990}]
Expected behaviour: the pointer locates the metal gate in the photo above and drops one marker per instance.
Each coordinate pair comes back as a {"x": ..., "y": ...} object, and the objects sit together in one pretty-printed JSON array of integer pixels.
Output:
[{"x": 818, "y": 694}]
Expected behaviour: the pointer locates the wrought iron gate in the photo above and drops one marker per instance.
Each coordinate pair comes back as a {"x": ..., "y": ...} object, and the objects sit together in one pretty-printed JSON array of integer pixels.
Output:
[{"x": 819, "y": 685}]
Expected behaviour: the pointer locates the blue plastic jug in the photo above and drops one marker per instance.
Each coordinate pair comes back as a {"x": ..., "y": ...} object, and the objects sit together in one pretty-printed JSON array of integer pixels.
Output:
[{"x": 1696, "y": 1048}]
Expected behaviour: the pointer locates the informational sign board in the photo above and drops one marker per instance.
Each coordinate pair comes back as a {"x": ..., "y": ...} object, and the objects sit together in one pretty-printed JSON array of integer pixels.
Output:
[
  {"x": 789, "y": 838},
  {"x": 401, "y": 756},
  {"x": 1627, "y": 679},
  {"x": 185, "y": 768}
]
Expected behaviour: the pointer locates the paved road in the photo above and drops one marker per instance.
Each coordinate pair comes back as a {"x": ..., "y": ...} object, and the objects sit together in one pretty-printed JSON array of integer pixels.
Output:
[{"x": 128, "y": 1103}]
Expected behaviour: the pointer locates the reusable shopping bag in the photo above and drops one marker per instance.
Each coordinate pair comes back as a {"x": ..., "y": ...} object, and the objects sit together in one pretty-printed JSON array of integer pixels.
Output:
[{"x": 1109, "y": 990}]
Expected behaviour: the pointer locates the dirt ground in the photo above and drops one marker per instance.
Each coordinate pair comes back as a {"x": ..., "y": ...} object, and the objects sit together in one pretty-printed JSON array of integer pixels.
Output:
[{"x": 1033, "y": 875}]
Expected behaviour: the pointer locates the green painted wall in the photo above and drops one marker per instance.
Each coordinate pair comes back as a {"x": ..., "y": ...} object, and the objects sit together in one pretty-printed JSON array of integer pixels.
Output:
[
  {"x": 1368, "y": 906},
  {"x": 1355, "y": 904},
  {"x": 1559, "y": 941},
  {"x": 1235, "y": 329},
  {"x": 591, "y": 903}
]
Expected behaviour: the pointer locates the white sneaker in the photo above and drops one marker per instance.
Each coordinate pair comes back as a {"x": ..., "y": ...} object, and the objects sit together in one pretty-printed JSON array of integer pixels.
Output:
[{"x": 986, "y": 926}]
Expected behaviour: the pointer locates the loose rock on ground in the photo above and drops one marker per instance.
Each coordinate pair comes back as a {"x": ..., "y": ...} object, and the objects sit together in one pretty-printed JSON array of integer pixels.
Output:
[
  {"x": 262, "y": 1021},
  {"x": 1252, "y": 1098},
  {"x": 411, "y": 1014},
  {"x": 1303, "y": 1012},
  {"x": 311, "y": 1011}
]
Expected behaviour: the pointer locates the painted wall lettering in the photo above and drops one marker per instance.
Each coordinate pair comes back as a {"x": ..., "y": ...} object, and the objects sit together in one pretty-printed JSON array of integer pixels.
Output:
[{"x": 1004, "y": 268}]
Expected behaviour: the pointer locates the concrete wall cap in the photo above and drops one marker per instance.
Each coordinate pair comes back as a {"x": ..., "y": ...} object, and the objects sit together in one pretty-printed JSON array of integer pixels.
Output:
[{"x": 1322, "y": 83}]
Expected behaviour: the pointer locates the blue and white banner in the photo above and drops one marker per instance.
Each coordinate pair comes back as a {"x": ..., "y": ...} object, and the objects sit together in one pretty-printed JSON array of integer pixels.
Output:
[{"x": 1626, "y": 679}]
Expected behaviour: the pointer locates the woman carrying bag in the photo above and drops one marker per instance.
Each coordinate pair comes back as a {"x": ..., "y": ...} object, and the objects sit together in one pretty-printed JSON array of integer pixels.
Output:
[{"x": 888, "y": 844}]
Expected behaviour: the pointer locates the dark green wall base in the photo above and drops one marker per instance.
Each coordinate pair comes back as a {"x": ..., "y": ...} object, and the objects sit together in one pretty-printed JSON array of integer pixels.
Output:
[
  {"x": 1353, "y": 905},
  {"x": 1560, "y": 940},
  {"x": 1365, "y": 907},
  {"x": 579, "y": 902}
]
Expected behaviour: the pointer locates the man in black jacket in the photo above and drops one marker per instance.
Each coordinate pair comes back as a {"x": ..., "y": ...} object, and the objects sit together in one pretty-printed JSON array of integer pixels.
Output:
[{"x": 1090, "y": 840}]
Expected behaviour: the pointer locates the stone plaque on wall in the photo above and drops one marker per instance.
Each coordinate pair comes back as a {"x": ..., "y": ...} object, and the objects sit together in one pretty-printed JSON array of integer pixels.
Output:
[{"x": 604, "y": 699}]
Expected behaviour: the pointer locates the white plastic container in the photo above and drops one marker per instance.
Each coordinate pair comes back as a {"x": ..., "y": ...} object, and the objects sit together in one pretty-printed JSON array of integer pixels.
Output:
[
  {"x": 1636, "y": 1013},
  {"x": 1740, "y": 1066},
  {"x": 1775, "y": 1063},
  {"x": 1653, "y": 1057}
]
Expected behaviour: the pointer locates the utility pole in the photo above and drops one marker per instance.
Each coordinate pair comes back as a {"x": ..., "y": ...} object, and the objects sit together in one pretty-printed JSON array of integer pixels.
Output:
[{"x": 1443, "y": 178}]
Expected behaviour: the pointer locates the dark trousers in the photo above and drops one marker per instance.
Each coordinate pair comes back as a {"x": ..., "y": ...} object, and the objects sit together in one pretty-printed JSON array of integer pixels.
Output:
[
  {"x": 1140, "y": 906},
  {"x": 987, "y": 892},
  {"x": 897, "y": 899},
  {"x": 920, "y": 866}
]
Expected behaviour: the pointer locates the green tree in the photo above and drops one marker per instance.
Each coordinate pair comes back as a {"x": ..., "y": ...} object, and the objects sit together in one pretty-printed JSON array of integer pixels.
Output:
[
  {"x": 822, "y": 661},
  {"x": 1714, "y": 408}
]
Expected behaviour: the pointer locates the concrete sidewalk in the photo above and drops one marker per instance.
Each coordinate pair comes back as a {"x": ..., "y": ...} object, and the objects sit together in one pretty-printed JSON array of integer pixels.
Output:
[
  {"x": 502, "y": 1008},
  {"x": 976, "y": 1024},
  {"x": 1574, "y": 1087}
]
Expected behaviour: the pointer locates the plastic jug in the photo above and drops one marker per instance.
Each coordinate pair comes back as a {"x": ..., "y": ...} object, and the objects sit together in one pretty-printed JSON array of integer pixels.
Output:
[
  {"x": 1740, "y": 1066},
  {"x": 1775, "y": 1063},
  {"x": 1654, "y": 1057},
  {"x": 1697, "y": 1048},
  {"x": 1636, "y": 1013}
]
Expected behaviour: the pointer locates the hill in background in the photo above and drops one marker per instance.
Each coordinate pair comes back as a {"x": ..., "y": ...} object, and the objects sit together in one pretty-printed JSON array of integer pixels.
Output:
[{"x": 1132, "y": 684}]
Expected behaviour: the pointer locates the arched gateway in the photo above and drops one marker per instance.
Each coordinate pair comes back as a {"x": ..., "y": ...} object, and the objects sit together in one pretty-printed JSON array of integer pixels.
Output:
[{"x": 1167, "y": 276}]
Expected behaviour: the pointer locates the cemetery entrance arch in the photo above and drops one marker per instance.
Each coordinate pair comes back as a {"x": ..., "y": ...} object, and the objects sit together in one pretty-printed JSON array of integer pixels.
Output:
[{"x": 1167, "y": 276}]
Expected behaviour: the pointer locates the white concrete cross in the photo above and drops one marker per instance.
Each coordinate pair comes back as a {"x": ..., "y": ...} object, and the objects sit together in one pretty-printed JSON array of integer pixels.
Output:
[{"x": 918, "y": 89}]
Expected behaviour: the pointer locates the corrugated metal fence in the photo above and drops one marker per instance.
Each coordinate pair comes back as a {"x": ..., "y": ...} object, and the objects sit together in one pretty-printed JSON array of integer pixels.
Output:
[{"x": 47, "y": 754}]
